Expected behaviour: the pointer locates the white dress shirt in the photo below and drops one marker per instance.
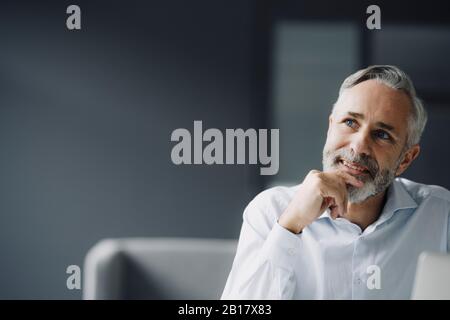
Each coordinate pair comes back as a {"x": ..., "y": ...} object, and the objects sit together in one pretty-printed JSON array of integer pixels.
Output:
[{"x": 335, "y": 259}]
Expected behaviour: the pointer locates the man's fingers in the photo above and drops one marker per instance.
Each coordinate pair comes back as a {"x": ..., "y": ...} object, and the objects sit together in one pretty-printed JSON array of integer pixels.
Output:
[
  {"x": 345, "y": 202},
  {"x": 326, "y": 203},
  {"x": 338, "y": 196},
  {"x": 349, "y": 179},
  {"x": 334, "y": 212},
  {"x": 334, "y": 187}
]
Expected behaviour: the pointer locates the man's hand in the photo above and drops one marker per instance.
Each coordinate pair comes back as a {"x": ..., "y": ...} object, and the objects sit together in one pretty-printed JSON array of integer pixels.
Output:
[{"x": 319, "y": 191}]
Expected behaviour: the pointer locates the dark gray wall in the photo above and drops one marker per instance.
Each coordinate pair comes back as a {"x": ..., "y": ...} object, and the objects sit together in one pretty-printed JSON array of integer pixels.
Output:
[{"x": 85, "y": 124}]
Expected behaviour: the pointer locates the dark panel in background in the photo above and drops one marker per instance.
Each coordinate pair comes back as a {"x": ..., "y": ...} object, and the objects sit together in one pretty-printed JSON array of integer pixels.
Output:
[{"x": 422, "y": 51}]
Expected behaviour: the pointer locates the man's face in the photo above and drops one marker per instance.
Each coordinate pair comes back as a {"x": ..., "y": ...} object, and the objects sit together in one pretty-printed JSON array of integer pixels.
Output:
[{"x": 367, "y": 137}]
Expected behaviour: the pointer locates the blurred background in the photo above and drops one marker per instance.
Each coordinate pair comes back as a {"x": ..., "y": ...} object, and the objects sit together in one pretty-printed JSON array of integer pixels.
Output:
[{"x": 86, "y": 116}]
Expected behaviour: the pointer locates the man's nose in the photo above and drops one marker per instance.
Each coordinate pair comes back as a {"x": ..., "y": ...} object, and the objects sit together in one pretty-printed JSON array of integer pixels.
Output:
[{"x": 361, "y": 143}]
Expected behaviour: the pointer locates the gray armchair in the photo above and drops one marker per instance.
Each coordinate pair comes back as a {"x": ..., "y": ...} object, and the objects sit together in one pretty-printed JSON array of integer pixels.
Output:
[{"x": 158, "y": 268}]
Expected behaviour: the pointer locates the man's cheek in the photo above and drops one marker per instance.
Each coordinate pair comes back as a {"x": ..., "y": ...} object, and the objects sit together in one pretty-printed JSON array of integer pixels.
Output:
[{"x": 332, "y": 140}]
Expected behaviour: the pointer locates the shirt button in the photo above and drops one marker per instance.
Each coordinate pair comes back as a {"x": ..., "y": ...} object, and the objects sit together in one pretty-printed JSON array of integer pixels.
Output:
[{"x": 291, "y": 251}]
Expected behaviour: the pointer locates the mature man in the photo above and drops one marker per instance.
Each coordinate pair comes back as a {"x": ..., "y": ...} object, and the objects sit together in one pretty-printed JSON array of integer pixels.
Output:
[{"x": 353, "y": 230}]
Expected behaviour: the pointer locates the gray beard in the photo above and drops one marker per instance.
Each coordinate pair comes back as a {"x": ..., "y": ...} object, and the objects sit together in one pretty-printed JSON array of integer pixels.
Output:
[{"x": 374, "y": 184}]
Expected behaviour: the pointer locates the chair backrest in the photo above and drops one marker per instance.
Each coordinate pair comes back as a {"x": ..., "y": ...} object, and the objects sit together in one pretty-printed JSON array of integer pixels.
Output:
[{"x": 158, "y": 268}]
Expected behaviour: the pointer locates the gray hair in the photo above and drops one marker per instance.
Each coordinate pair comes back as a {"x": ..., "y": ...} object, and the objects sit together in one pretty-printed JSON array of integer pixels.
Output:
[{"x": 397, "y": 79}]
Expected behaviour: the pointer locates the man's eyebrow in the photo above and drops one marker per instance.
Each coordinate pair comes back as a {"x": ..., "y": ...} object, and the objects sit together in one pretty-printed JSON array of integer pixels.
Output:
[
  {"x": 356, "y": 115},
  {"x": 379, "y": 123},
  {"x": 385, "y": 126}
]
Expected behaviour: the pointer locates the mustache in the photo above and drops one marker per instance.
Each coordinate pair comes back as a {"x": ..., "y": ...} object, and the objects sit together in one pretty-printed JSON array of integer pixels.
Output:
[{"x": 361, "y": 159}]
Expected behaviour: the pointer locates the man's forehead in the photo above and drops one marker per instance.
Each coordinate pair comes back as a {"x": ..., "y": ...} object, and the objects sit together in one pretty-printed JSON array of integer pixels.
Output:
[{"x": 375, "y": 101}]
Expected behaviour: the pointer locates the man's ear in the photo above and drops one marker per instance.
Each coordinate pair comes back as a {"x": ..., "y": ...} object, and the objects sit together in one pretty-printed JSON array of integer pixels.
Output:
[{"x": 408, "y": 158}]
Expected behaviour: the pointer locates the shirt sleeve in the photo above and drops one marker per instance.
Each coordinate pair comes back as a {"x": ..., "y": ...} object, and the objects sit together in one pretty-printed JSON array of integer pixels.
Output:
[{"x": 263, "y": 267}]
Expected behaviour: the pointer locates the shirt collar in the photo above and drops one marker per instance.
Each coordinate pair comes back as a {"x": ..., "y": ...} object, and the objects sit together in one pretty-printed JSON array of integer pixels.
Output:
[
  {"x": 397, "y": 199},
  {"x": 325, "y": 214}
]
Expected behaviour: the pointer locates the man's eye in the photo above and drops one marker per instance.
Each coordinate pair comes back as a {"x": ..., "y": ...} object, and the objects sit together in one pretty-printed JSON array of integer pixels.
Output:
[
  {"x": 350, "y": 122},
  {"x": 382, "y": 135}
]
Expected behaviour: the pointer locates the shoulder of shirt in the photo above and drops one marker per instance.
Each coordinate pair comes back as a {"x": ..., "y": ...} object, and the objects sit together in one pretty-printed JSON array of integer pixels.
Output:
[
  {"x": 419, "y": 191},
  {"x": 278, "y": 194},
  {"x": 272, "y": 198},
  {"x": 266, "y": 207}
]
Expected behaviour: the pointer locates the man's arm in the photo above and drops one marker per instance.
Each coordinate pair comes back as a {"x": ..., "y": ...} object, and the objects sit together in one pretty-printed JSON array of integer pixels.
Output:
[
  {"x": 263, "y": 267},
  {"x": 264, "y": 264}
]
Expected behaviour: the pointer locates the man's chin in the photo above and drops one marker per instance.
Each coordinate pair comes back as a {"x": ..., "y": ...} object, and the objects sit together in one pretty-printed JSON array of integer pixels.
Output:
[{"x": 358, "y": 196}]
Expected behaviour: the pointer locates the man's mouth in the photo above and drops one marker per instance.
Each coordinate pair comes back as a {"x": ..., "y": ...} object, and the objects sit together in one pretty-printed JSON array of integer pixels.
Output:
[{"x": 354, "y": 168}]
